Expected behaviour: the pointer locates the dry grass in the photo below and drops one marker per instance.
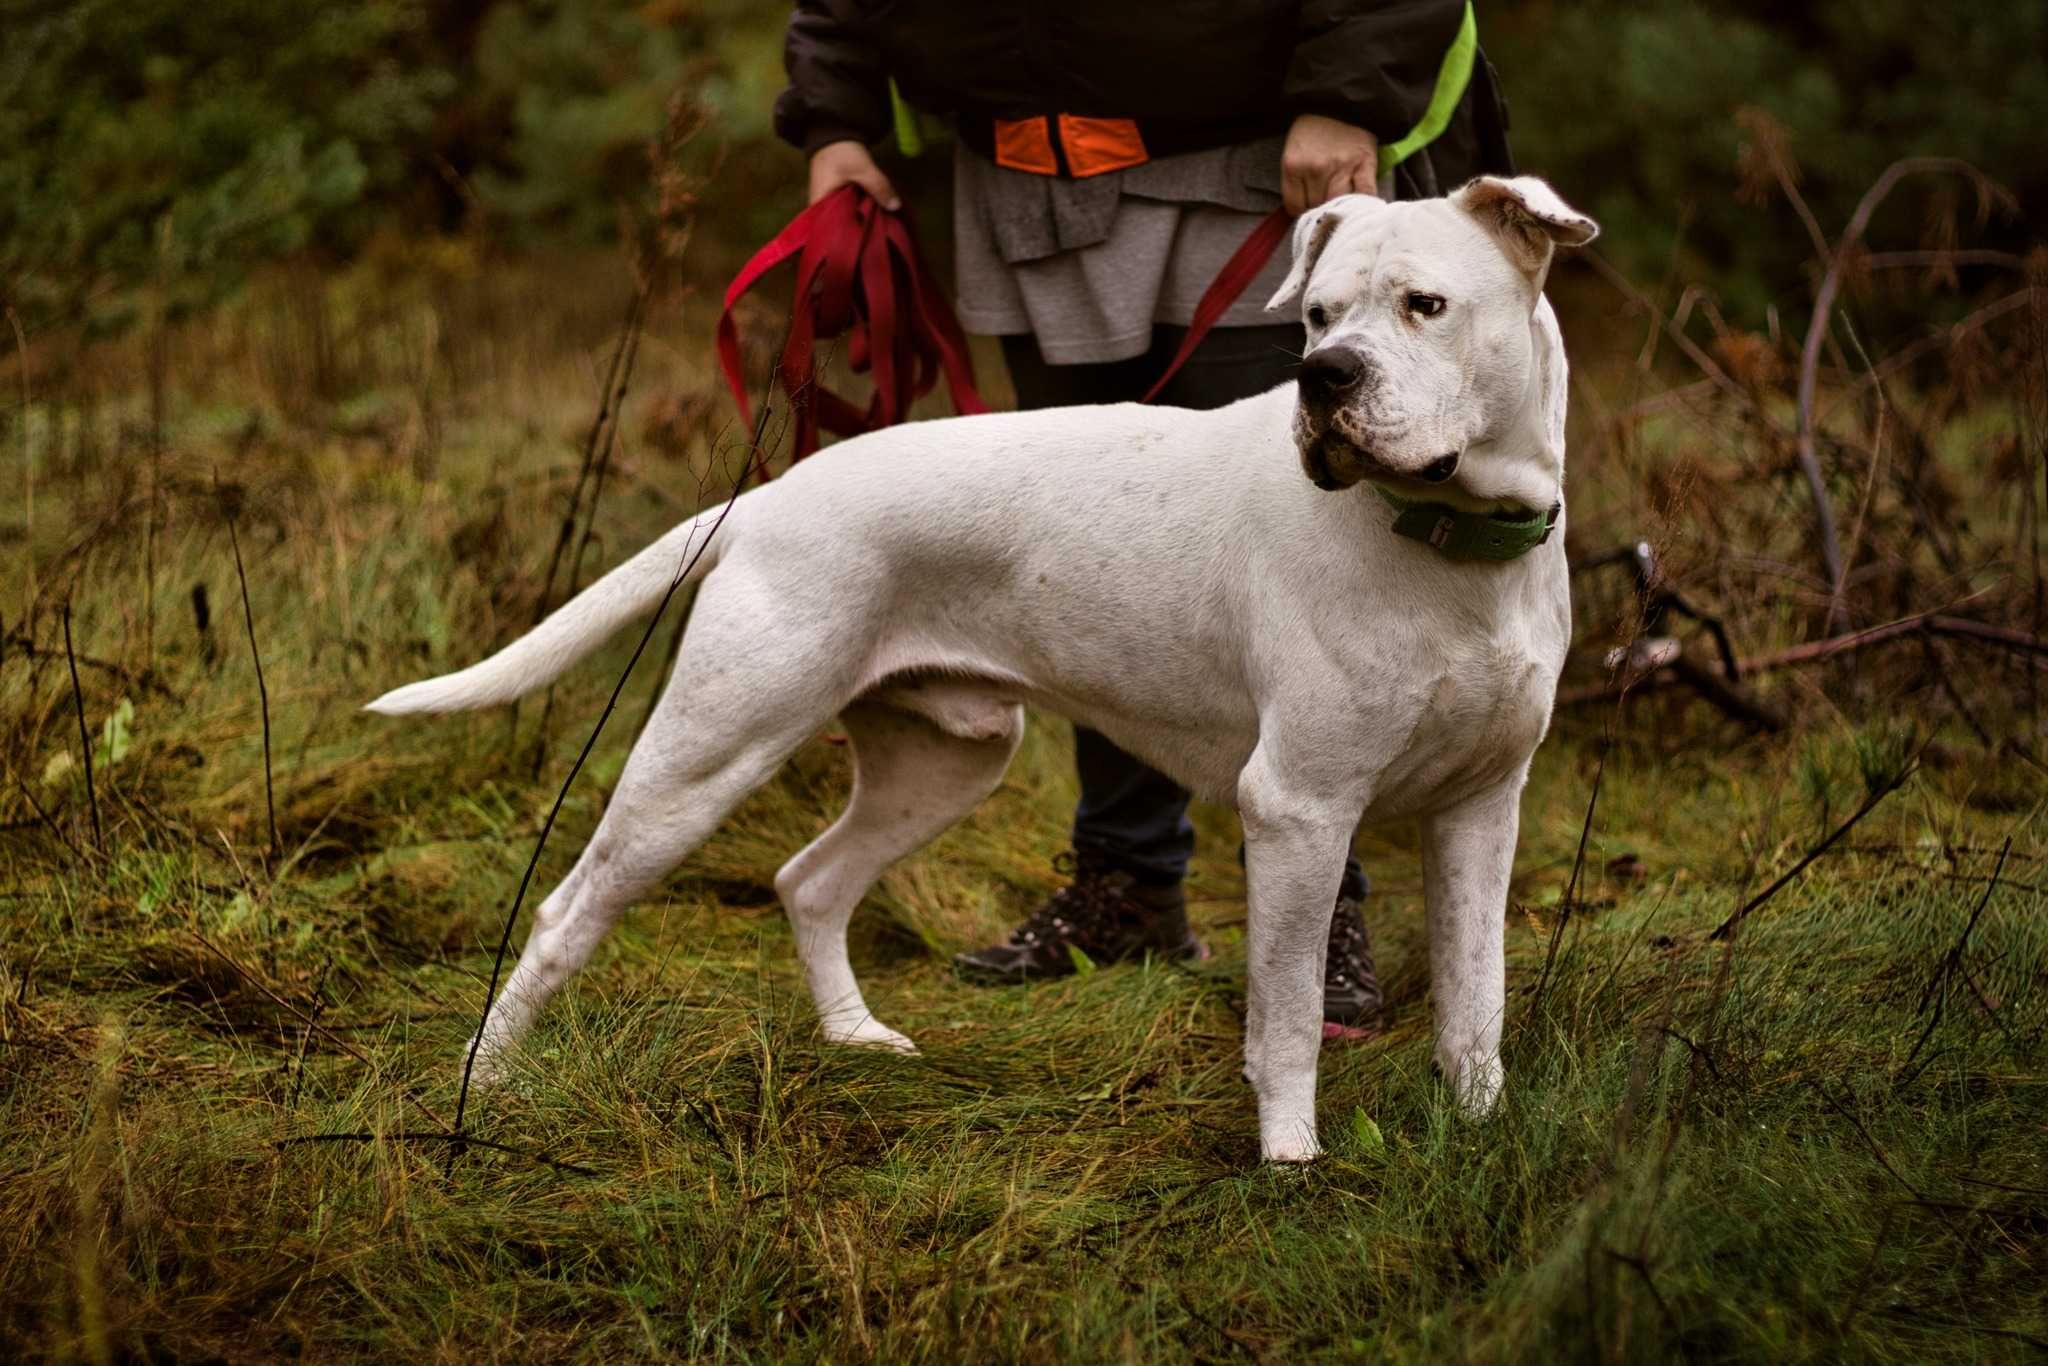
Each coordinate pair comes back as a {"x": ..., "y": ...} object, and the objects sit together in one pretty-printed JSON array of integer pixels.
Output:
[{"x": 1709, "y": 1150}]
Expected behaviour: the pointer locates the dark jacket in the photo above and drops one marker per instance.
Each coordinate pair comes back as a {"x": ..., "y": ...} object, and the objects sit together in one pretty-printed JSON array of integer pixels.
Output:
[{"x": 1205, "y": 72}]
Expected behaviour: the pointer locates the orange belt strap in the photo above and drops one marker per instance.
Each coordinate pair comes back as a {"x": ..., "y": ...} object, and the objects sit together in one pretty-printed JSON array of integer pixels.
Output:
[
  {"x": 1092, "y": 146},
  {"x": 1025, "y": 145},
  {"x": 1098, "y": 145}
]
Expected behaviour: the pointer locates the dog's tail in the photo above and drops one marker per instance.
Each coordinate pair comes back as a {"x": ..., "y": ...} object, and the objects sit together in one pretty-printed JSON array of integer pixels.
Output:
[{"x": 578, "y": 626}]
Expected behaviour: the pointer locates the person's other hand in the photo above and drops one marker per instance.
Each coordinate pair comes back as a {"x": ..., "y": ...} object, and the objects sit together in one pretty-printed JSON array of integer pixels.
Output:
[
  {"x": 849, "y": 163},
  {"x": 1323, "y": 158}
]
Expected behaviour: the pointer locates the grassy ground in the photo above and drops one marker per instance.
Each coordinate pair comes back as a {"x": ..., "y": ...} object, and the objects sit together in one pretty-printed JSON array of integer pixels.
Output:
[{"x": 1823, "y": 1138}]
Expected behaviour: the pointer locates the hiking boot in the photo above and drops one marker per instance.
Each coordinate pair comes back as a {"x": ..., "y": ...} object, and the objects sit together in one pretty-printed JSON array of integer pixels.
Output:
[
  {"x": 1351, "y": 989},
  {"x": 1109, "y": 916}
]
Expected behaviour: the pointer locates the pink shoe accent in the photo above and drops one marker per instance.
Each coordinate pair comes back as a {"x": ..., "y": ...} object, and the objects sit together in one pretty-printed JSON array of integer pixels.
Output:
[{"x": 1334, "y": 1032}]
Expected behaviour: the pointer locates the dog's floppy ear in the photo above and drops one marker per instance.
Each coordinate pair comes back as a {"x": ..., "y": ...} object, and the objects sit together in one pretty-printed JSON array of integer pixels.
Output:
[
  {"x": 1528, "y": 218},
  {"x": 1312, "y": 232}
]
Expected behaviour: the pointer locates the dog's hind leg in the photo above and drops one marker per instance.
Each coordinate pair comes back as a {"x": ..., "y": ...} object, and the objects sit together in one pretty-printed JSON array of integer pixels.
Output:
[
  {"x": 752, "y": 684},
  {"x": 914, "y": 776}
]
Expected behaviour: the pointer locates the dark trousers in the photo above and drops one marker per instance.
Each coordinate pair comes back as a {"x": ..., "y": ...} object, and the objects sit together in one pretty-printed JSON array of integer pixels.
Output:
[{"x": 1131, "y": 816}]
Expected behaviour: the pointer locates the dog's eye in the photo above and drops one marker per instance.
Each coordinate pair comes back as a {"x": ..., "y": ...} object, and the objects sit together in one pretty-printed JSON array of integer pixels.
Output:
[
  {"x": 1425, "y": 305},
  {"x": 1316, "y": 316}
]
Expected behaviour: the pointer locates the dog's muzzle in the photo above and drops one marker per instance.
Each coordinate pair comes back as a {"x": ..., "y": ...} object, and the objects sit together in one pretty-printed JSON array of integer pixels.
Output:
[{"x": 1329, "y": 374}]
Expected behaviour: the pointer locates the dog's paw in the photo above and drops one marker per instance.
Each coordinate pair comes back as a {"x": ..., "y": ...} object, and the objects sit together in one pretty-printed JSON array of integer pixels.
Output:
[
  {"x": 1290, "y": 1141},
  {"x": 871, "y": 1033},
  {"x": 491, "y": 1071},
  {"x": 1292, "y": 1151},
  {"x": 1478, "y": 1085}
]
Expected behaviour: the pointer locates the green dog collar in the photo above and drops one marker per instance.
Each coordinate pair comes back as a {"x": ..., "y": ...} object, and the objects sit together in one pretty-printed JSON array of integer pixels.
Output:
[{"x": 1460, "y": 535}]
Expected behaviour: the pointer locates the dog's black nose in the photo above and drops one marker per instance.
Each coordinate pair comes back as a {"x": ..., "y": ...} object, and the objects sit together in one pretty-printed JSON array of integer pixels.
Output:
[
  {"x": 1331, "y": 371},
  {"x": 1436, "y": 471}
]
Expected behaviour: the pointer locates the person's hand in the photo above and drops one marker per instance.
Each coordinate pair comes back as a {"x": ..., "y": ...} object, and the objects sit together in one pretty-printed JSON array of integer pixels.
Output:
[
  {"x": 848, "y": 163},
  {"x": 1323, "y": 159}
]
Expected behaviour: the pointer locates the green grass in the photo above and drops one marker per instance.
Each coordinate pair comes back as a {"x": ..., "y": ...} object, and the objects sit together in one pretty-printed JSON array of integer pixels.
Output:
[{"x": 1709, "y": 1150}]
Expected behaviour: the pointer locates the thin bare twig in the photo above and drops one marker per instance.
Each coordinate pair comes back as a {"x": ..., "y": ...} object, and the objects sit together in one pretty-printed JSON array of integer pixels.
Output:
[
  {"x": 310, "y": 1021},
  {"x": 92, "y": 792},
  {"x": 567, "y": 532},
  {"x": 1809, "y": 359},
  {"x": 1692, "y": 350},
  {"x": 28, "y": 451},
  {"x": 1947, "y": 256},
  {"x": 28, "y": 649},
  {"x": 461, "y": 1140},
  {"x": 1564, "y": 909},
  {"x": 44, "y": 816},
  {"x": 1877, "y": 1149},
  {"x": 262, "y": 692},
  {"x": 598, "y": 425},
  {"x": 1938, "y": 984},
  {"x": 616, "y": 402},
  {"x": 526, "y": 879},
  {"x": 1906, "y": 356},
  {"x": 1892, "y": 785},
  {"x": 613, "y": 402}
]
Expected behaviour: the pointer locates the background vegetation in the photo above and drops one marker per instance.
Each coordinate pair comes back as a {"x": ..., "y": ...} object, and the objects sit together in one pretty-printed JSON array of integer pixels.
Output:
[
  {"x": 313, "y": 314},
  {"x": 149, "y": 139}
]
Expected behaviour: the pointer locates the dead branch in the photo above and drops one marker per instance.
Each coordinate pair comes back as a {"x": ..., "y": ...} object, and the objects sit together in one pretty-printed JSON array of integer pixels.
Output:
[
  {"x": 1948, "y": 336},
  {"x": 1942, "y": 259},
  {"x": 20, "y": 644},
  {"x": 1684, "y": 343},
  {"x": 1819, "y": 651},
  {"x": 1809, "y": 355}
]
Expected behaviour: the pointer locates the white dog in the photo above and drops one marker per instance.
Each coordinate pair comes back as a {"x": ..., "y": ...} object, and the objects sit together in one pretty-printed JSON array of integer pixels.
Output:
[{"x": 1312, "y": 650}]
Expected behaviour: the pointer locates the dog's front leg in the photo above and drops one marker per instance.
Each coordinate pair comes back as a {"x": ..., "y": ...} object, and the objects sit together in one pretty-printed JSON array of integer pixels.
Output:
[
  {"x": 1295, "y": 844},
  {"x": 1468, "y": 855}
]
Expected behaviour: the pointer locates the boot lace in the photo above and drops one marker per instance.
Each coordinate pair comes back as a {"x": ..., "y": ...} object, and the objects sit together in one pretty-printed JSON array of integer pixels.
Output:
[
  {"x": 1350, "y": 953},
  {"x": 1079, "y": 912}
]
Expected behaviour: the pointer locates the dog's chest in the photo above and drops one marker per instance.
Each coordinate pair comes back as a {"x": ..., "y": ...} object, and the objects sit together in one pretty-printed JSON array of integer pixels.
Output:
[{"x": 1478, "y": 717}]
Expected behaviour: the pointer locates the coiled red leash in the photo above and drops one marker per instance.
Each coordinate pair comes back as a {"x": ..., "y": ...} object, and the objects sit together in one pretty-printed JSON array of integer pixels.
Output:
[{"x": 859, "y": 275}]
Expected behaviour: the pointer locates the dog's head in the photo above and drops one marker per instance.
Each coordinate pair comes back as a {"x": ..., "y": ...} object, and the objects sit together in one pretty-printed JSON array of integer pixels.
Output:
[{"x": 1433, "y": 362}]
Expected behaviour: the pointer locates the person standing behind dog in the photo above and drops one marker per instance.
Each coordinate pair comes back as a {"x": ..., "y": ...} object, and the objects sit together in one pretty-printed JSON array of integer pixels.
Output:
[{"x": 1109, "y": 159}]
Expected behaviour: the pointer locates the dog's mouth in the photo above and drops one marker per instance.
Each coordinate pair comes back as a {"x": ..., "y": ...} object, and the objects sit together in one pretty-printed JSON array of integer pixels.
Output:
[{"x": 1334, "y": 463}]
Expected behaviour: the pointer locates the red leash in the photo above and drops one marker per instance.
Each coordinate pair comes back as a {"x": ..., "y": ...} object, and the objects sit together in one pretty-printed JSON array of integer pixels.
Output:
[
  {"x": 1240, "y": 270},
  {"x": 859, "y": 275}
]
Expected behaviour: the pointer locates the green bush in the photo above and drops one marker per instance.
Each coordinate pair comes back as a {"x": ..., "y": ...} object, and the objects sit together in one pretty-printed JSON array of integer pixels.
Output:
[
  {"x": 1632, "y": 105},
  {"x": 153, "y": 139},
  {"x": 168, "y": 142}
]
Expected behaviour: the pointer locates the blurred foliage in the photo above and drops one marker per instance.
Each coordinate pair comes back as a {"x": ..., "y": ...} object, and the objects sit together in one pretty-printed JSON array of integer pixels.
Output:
[
  {"x": 1634, "y": 105},
  {"x": 152, "y": 139},
  {"x": 177, "y": 144}
]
